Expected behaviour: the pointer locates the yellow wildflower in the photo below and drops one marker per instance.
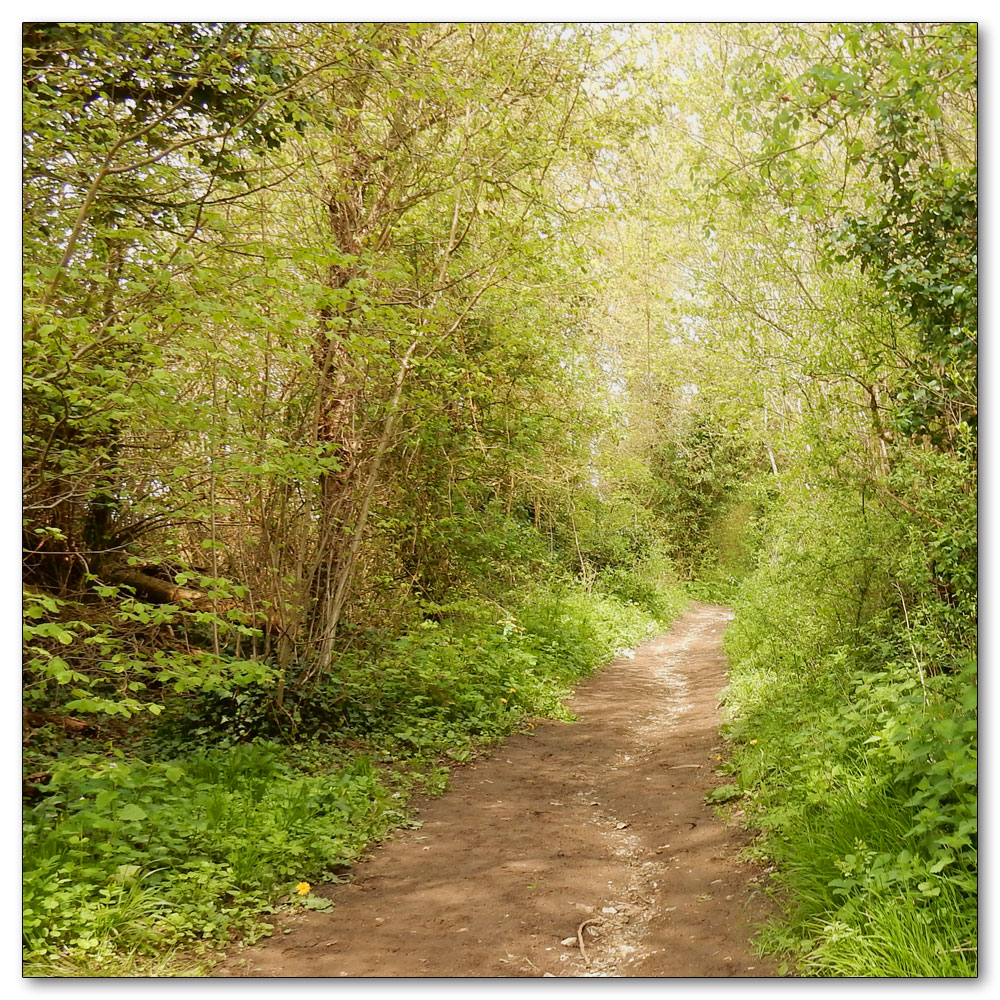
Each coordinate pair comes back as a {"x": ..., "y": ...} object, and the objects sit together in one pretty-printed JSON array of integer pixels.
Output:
[
  {"x": 303, "y": 888},
  {"x": 753, "y": 743}
]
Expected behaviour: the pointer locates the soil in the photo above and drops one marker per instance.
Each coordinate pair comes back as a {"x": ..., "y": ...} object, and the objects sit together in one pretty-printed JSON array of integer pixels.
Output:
[{"x": 594, "y": 831}]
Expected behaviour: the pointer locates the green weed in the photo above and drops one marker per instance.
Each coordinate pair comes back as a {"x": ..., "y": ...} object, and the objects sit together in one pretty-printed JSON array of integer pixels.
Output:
[{"x": 852, "y": 717}]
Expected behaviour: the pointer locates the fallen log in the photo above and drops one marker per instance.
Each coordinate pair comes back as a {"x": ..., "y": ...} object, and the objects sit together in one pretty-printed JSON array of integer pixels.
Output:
[
  {"x": 159, "y": 591},
  {"x": 32, "y": 720}
]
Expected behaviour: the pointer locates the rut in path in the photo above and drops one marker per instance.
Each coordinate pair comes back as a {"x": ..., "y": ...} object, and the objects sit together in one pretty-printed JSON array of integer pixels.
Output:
[{"x": 600, "y": 823}]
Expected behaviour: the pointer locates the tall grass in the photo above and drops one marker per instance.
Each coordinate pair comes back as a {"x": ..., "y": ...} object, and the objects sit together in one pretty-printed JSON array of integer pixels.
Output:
[{"x": 851, "y": 715}]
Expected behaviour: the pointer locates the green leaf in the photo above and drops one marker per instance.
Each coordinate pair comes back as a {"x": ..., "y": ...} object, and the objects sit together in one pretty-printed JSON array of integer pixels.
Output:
[
  {"x": 125, "y": 874},
  {"x": 724, "y": 793}
]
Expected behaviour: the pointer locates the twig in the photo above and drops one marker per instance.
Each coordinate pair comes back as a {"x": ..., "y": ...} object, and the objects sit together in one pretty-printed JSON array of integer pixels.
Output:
[
  {"x": 906, "y": 506},
  {"x": 913, "y": 649},
  {"x": 579, "y": 938}
]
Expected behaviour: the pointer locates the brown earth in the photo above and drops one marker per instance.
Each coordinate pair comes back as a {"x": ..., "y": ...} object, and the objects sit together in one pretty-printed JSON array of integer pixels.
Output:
[{"x": 595, "y": 831}]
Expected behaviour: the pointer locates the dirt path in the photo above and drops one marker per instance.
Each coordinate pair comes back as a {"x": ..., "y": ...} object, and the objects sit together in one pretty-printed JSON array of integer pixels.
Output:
[{"x": 601, "y": 823}]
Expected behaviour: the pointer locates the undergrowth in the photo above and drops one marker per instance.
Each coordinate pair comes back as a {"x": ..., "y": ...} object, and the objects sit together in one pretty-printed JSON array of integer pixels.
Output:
[
  {"x": 144, "y": 863},
  {"x": 852, "y": 718}
]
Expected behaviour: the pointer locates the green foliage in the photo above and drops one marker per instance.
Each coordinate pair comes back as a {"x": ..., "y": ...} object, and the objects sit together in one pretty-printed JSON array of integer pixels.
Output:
[
  {"x": 470, "y": 670},
  {"x": 724, "y": 793},
  {"x": 124, "y": 856},
  {"x": 852, "y": 703},
  {"x": 338, "y": 335},
  {"x": 852, "y": 713},
  {"x": 117, "y": 659},
  {"x": 923, "y": 250},
  {"x": 699, "y": 477},
  {"x": 298, "y": 310}
]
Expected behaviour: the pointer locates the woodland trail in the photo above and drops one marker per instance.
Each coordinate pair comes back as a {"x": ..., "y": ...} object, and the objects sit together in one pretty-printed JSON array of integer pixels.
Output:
[{"x": 595, "y": 831}]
